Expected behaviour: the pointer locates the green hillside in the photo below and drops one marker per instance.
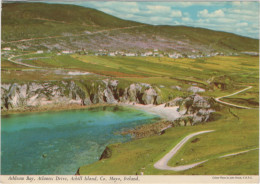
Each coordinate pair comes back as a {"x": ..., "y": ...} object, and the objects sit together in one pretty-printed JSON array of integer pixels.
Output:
[
  {"x": 77, "y": 27},
  {"x": 29, "y": 20}
]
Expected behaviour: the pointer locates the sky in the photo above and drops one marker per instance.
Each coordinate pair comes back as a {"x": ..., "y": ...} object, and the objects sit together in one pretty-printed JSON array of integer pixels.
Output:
[{"x": 236, "y": 17}]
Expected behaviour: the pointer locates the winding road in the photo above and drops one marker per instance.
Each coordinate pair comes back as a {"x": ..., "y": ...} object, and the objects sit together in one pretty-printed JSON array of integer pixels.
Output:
[
  {"x": 20, "y": 63},
  {"x": 233, "y": 105},
  {"x": 162, "y": 163}
]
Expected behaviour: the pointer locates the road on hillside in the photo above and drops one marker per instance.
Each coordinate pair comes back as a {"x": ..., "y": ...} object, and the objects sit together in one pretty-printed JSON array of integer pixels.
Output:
[
  {"x": 20, "y": 63},
  {"x": 234, "y": 105},
  {"x": 162, "y": 163},
  {"x": 83, "y": 34}
]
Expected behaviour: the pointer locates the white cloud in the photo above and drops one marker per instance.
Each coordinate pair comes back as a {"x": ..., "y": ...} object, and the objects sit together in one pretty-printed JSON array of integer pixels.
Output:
[
  {"x": 160, "y": 19},
  {"x": 176, "y": 13},
  {"x": 242, "y": 24},
  {"x": 224, "y": 20},
  {"x": 158, "y": 8},
  {"x": 186, "y": 19},
  {"x": 189, "y": 4},
  {"x": 205, "y": 13},
  {"x": 203, "y": 21},
  {"x": 241, "y": 11}
]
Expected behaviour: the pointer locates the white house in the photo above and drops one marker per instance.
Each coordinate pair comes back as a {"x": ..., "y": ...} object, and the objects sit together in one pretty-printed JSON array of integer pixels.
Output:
[
  {"x": 148, "y": 53},
  {"x": 130, "y": 54},
  {"x": 112, "y": 54},
  {"x": 39, "y": 51},
  {"x": 121, "y": 53},
  {"x": 66, "y": 52},
  {"x": 175, "y": 55}
]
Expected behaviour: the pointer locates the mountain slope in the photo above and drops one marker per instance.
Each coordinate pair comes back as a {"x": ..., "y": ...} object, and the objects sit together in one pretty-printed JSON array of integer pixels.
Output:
[
  {"x": 56, "y": 27},
  {"x": 27, "y": 20}
]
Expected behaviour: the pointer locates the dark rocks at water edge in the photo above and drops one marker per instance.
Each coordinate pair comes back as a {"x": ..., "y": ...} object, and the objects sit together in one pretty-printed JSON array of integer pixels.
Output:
[
  {"x": 37, "y": 94},
  {"x": 107, "y": 153}
]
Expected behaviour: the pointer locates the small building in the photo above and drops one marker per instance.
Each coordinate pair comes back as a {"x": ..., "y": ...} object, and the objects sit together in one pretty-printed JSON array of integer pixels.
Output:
[
  {"x": 175, "y": 55},
  {"x": 66, "y": 52},
  {"x": 149, "y": 53},
  {"x": 39, "y": 51},
  {"x": 112, "y": 54},
  {"x": 130, "y": 54}
]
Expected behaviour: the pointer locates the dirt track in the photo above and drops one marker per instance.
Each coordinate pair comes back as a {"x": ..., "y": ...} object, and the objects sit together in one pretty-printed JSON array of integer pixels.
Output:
[
  {"x": 234, "y": 105},
  {"x": 162, "y": 163}
]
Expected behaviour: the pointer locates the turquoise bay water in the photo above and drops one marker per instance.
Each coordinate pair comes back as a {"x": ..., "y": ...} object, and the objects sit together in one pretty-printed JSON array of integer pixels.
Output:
[{"x": 60, "y": 142}]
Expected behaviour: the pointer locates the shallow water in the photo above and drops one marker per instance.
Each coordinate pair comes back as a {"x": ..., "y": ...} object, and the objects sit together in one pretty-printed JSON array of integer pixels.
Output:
[{"x": 61, "y": 142}]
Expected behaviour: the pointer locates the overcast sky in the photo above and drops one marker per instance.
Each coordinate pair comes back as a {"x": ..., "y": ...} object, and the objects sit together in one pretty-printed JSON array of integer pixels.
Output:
[{"x": 236, "y": 17}]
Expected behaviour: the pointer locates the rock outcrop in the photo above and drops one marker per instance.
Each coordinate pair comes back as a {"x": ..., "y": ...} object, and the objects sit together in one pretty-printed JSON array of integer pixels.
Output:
[
  {"x": 107, "y": 153},
  {"x": 33, "y": 94},
  {"x": 194, "y": 109},
  {"x": 195, "y": 89}
]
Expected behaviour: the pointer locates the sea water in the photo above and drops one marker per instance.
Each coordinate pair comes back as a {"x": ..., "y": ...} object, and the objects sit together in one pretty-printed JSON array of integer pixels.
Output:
[{"x": 58, "y": 143}]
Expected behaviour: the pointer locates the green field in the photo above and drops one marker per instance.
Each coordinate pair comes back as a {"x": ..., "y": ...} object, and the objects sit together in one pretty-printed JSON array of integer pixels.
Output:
[{"x": 219, "y": 75}]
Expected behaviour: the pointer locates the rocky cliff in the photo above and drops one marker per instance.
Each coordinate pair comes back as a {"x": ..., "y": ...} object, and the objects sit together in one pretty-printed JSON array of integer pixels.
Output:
[
  {"x": 23, "y": 96},
  {"x": 33, "y": 94},
  {"x": 195, "y": 109}
]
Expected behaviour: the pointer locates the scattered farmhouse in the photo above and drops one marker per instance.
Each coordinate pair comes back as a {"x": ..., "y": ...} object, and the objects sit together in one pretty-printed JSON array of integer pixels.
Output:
[
  {"x": 112, "y": 54},
  {"x": 67, "y": 52},
  {"x": 175, "y": 55}
]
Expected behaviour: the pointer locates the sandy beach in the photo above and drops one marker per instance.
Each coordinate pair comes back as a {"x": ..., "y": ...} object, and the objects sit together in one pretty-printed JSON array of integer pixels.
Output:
[{"x": 167, "y": 113}]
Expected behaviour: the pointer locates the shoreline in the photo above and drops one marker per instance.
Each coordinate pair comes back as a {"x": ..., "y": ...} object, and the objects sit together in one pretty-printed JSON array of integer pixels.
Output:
[
  {"x": 54, "y": 108},
  {"x": 166, "y": 113}
]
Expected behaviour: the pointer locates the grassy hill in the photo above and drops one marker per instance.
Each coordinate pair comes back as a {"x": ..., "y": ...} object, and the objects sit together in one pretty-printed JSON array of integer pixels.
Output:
[
  {"x": 29, "y": 20},
  {"x": 74, "y": 27}
]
